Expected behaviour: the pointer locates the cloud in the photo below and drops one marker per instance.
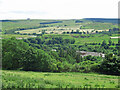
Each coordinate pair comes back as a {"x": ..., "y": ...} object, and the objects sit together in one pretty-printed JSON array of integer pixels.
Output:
[
  {"x": 0, "y": 2},
  {"x": 58, "y": 9},
  {"x": 28, "y": 12}
]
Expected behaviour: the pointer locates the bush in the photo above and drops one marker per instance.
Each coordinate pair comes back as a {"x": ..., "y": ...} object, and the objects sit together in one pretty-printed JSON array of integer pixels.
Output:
[
  {"x": 110, "y": 65},
  {"x": 18, "y": 54}
]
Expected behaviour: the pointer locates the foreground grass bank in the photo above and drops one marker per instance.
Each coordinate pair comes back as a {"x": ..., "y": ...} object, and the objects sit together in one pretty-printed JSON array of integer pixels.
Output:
[{"x": 22, "y": 79}]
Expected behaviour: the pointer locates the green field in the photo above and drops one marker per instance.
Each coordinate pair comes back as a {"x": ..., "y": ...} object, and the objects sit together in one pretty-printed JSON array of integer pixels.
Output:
[
  {"x": 46, "y": 54},
  {"x": 15, "y": 25},
  {"x": 96, "y": 38},
  {"x": 6, "y": 36},
  {"x": 22, "y": 79}
]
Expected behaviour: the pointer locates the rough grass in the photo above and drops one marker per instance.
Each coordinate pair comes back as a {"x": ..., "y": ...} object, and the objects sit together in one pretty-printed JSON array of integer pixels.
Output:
[{"x": 22, "y": 79}]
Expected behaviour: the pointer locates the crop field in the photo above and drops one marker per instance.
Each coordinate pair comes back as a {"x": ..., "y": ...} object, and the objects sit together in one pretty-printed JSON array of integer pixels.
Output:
[
  {"x": 33, "y": 26},
  {"x": 22, "y": 79},
  {"x": 59, "y": 29},
  {"x": 56, "y": 30}
]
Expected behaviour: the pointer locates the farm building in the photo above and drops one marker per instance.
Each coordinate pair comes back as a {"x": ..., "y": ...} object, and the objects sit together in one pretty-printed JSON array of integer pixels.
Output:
[
  {"x": 85, "y": 53},
  {"x": 32, "y": 36},
  {"x": 54, "y": 50},
  {"x": 1, "y": 38},
  {"x": 114, "y": 37},
  {"x": 19, "y": 38}
]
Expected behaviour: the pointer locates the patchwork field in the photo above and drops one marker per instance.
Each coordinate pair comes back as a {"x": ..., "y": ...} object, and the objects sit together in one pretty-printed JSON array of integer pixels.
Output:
[
  {"x": 58, "y": 29},
  {"x": 55, "y": 26},
  {"x": 55, "y": 30},
  {"x": 48, "y": 47},
  {"x": 5, "y": 36},
  {"x": 79, "y": 39},
  {"x": 22, "y": 79},
  {"x": 82, "y": 39}
]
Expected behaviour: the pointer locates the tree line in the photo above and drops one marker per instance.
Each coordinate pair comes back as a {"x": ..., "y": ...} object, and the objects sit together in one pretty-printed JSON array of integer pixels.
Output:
[{"x": 21, "y": 55}]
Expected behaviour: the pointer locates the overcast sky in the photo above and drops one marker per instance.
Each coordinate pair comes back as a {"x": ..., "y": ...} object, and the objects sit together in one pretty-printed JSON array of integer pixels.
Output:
[{"x": 58, "y": 9}]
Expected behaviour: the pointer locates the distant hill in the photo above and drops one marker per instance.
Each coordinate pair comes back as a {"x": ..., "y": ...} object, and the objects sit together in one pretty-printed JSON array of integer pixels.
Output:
[
  {"x": 109, "y": 20},
  {"x": 51, "y": 22},
  {"x": 8, "y": 21}
]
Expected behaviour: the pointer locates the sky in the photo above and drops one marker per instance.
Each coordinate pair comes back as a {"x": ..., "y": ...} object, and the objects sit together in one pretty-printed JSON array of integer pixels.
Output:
[{"x": 58, "y": 9}]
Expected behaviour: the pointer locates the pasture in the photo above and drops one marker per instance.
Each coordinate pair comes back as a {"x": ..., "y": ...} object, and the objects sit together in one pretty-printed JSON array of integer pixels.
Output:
[
  {"x": 5, "y": 36},
  {"x": 82, "y": 39},
  {"x": 56, "y": 30},
  {"x": 79, "y": 39},
  {"x": 34, "y": 26},
  {"x": 22, "y": 79}
]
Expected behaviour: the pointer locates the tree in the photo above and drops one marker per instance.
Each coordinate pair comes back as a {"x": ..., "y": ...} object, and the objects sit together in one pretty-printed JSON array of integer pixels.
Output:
[
  {"x": 43, "y": 31},
  {"x": 67, "y": 66},
  {"x": 60, "y": 67},
  {"x": 72, "y": 41},
  {"x": 80, "y": 32},
  {"x": 87, "y": 32},
  {"x": 72, "y": 32},
  {"x": 78, "y": 58},
  {"x": 34, "y": 33},
  {"x": 77, "y": 31},
  {"x": 84, "y": 32},
  {"x": 96, "y": 31},
  {"x": 62, "y": 53},
  {"x": 67, "y": 32},
  {"x": 13, "y": 53},
  {"x": 105, "y": 45},
  {"x": 51, "y": 32},
  {"x": 63, "y": 32},
  {"x": 38, "y": 60},
  {"x": 19, "y": 55},
  {"x": 110, "y": 65},
  {"x": 110, "y": 42}
]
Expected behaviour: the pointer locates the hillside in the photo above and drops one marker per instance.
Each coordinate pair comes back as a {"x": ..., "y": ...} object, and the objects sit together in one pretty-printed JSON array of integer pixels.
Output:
[{"x": 21, "y": 79}]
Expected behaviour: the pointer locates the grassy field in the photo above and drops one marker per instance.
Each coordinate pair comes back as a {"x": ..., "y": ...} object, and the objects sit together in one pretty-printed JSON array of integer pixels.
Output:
[
  {"x": 15, "y": 35},
  {"x": 29, "y": 79},
  {"x": 22, "y": 79},
  {"x": 94, "y": 38},
  {"x": 14, "y": 24},
  {"x": 98, "y": 25},
  {"x": 26, "y": 24},
  {"x": 57, "y": 30}
]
